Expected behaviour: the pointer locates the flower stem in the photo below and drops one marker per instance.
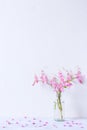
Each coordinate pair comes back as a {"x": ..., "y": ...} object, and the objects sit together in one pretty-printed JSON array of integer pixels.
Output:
[{"x": 59, "y": 104}]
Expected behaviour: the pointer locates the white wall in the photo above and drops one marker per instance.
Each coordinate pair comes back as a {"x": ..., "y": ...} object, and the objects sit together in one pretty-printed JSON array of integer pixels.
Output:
[{"x": 35, "y": 35}]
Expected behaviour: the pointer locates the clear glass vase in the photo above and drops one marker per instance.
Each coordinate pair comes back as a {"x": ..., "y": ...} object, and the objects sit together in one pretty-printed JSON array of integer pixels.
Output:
[{"x": 58, "y": 108}]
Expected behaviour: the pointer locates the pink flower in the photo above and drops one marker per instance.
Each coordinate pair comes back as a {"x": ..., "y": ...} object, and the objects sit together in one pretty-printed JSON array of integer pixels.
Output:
[
  {"x": 79, "y": 77},
  {"x": 53, "y": 82},
  {"x": 60, "y": 87},
  {"x": 57, "y": 86},
  {"x": 67, "y": 84},
  {"x": 35, "y": 80},
  {"x": 44, "y": 78},
  {"x": 61, "y": 77},
  {"x": 69, "y": 77}
]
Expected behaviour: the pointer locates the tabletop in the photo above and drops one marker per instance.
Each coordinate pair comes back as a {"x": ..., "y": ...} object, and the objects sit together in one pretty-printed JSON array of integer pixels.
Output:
[{"x": 28, "y": 123}]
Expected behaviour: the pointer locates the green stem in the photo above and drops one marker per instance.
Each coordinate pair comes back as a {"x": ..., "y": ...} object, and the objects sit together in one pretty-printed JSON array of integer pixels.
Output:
[{"x": 59, "y": 104}]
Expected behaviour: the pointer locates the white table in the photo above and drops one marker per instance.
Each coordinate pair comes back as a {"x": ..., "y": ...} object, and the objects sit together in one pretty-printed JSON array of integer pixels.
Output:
[{"x": 27, "y": 123}]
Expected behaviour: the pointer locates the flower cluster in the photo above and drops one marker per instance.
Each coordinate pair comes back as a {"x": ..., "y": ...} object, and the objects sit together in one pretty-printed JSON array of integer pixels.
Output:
[{"x": 61, "y": 80}]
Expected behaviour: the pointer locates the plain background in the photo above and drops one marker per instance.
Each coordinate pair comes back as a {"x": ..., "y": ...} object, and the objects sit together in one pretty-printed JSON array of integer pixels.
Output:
[{"x": 40, "y": 35}]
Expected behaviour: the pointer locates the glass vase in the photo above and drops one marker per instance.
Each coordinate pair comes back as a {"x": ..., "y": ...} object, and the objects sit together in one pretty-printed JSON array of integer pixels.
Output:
[{"x": 58, "y": 108}]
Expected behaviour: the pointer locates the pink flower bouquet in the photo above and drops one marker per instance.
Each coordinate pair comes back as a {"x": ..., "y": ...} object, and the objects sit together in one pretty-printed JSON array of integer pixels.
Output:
[{"x": 60, "y": 82}]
